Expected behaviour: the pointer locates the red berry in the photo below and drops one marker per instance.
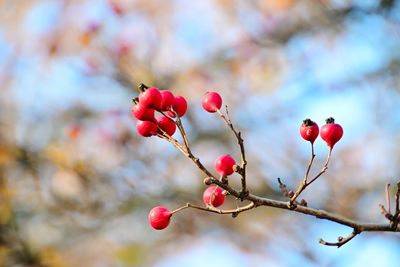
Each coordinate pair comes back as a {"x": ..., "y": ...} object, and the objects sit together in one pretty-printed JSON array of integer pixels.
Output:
[
  {"x": 159, "y": 217},
  {"x": 142, "y": 113},
  {"x": 331, "y": 132},
  {"x": 146, "y": 128},
  {"x": 167, "y": 100},
  {"x": 180, "y": 106},
  {"x": 309, "y": 130},
  {"x": 167, "y": 125},
  {"x": 212, "y": 102},
  {"x": 150, "y": 98},
  {"x": 213, "y": 195},
  {"x": 224, "y": 165}
]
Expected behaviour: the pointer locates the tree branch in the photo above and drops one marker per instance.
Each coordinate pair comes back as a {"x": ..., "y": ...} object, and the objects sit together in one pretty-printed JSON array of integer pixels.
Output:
[
  {"x": 209, "y": 208},
  {"x": 238, "y": 134},
  {"x": 341, "y": 240},
  {"x": 292, "y": 204},
  {"x": 304, "y": 184}
]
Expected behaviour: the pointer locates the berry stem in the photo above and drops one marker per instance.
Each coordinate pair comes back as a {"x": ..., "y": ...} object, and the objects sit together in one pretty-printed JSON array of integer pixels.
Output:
[
  {"x": 210, "y": 208},
  {"x": 323, "y": 170},
  {"x": 304, "y": 184},
  {"x": 142, "y": 87},
  {"x": 179, "y": 209}
]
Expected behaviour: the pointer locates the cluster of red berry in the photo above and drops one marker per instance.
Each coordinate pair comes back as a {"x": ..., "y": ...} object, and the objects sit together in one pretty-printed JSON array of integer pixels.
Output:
[
  {"x": 163, "y": 101},
  {"x": 331, "y": 132}
]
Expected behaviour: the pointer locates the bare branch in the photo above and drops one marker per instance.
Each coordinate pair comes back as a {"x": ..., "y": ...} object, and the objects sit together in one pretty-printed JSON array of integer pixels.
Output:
[
  {"x": 386, "y": 213},
  {"x": 181, "y": 129},
  {"x": 396, "y": 216},
  {"x": 210, "y": 208},
  {"x": 397, "y": 198},
  {"x": 341, "y": 240},
  {"x": 238, "y": 134},
  {"x": 387, "y": 187},
  {"x": 304, "y": 184}
]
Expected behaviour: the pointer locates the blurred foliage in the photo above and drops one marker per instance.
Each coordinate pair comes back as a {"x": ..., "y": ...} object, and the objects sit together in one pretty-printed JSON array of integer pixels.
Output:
[{"x": 76, "y": 181}]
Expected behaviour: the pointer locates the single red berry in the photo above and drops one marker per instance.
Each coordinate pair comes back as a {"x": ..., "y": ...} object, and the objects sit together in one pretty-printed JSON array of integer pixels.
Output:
[
  {"x": 180, "y": 106},
  {"x": 212, "y": 102},
  {"x": 167, "y": 100},
  {"x": 167, "y": 125},
  {"x": 150, "y": 98},
  {"x": 159, "y": 217},
  {"x": 142, "y": 113},
  {"x": 146, "y": 128},
  {"x": 224, "y": 165},
  {"x": 331, "y": 132},
  {"x": 214, "y": 196},
  {"x": 309, "y": 130}
]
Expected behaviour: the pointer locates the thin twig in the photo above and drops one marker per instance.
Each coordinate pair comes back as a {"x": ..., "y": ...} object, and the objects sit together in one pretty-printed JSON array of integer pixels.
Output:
[
  {"x": 287, "y": 193},
  {"x": 304, "y": 184},
  {"x": 386, "y": 213},
  {"x": 397, "y": 199},
  {"x": 341, "y": 240},
  {"x": 284, "y": 189},
  {"x": 323, "y": 170},
  {"x": 172, "y": 140},
  {"x": 215, "y": 210},
  {"x": 396, "y": 217},
  {"x": 179, "y": 125},
  {"x": 387, "y": 193},
  {"x": 238, "y": 135}
]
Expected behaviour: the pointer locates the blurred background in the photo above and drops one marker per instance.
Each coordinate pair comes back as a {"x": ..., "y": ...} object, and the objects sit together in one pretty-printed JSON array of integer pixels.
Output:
[{"x": 77, "y": 181}]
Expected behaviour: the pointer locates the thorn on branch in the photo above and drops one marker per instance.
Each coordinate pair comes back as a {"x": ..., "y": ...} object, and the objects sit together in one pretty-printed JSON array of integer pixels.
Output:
[{"x": 284, "y": 189}]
